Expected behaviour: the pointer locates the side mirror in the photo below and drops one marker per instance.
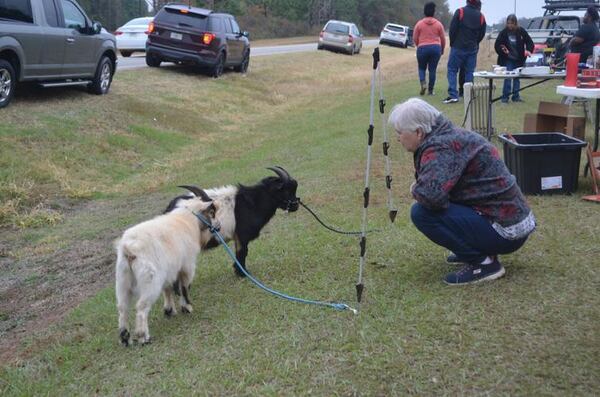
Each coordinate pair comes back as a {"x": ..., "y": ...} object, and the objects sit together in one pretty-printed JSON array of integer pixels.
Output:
[
  {"x": 246, "y": 34},
  {"x": 96, "y": 27}
]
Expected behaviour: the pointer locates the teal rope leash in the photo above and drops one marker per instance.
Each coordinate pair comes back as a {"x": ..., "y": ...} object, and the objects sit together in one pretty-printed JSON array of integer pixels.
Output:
[{"x": 215, "y": 232}]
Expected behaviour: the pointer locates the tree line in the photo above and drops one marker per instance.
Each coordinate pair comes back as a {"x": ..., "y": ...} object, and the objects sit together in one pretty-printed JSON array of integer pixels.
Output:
[{"x": 280, "y": 18}]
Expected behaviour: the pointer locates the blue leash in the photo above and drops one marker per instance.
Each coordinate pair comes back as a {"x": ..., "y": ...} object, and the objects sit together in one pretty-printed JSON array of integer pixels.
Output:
[{"x": 215, "y": 232}]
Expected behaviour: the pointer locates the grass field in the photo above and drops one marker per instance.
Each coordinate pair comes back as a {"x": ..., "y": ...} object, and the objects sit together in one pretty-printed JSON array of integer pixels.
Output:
[{"x": 76, "y": 170}]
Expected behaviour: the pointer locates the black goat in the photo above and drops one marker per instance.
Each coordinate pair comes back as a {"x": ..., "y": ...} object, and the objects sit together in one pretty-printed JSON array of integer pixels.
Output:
[{"x": 244, "y": 210}]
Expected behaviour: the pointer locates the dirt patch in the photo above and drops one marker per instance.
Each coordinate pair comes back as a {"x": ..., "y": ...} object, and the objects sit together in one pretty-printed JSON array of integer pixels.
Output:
[{"x": 39, "y": 288}]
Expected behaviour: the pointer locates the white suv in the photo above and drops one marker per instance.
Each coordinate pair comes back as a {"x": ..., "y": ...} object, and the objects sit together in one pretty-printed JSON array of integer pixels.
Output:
[{"x": 395, "y": 35}]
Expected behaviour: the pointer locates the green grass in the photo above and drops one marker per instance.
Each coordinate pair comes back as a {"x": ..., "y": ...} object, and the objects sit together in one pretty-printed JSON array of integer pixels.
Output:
[{"x": 533, "y": 332}]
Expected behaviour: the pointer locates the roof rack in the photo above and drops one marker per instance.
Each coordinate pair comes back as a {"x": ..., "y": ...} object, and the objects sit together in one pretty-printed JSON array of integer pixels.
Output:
[{"x": 556, "y": 6}]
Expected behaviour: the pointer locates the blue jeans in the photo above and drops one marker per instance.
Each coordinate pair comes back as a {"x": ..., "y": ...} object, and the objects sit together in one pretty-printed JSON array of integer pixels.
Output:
[
  {"x": 460, "y": 58},
  {"x": 428, "y": 57},
  {"x": 463, "y": 231},
  {"x": 516, "y": 84}
]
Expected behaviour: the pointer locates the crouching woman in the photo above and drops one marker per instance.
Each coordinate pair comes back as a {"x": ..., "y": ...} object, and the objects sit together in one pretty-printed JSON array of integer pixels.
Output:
[{"x": 466, "y": 199}]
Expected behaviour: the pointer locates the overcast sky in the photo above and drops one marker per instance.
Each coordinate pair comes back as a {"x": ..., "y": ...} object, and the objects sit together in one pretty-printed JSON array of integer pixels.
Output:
[{"x": 496, "y": 10}]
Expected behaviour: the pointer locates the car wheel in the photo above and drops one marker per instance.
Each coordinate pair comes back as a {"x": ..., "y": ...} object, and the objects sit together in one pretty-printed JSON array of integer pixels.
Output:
[
  {"x": 359, "y": 48},
  {"x": 243, "y": 67},
  {"x": 217, "y": 70},
  {"x": 104, "y": 74},
  {"x": 351, "y": 51},
  {"x": 8, "y": 81},
  {"x": 126, "y": 54},
  {"x": 319, "y": 47},
  {"x": 152, "y": 61}
]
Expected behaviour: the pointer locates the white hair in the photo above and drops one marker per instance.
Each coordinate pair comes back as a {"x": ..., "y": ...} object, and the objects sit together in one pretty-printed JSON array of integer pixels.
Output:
[{"x": 413, "y": 114}]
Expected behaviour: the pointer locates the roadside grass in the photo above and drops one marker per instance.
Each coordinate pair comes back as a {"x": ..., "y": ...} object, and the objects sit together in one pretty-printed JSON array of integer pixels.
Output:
[{"x": 533, "y": 332}]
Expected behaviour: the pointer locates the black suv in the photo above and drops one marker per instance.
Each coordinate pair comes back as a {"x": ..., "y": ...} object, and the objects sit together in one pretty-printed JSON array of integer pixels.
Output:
[{"x": 184, "y": 34}]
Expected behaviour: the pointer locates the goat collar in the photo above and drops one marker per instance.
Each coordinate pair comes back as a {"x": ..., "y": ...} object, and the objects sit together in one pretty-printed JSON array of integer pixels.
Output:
[{"x": 205, "y": 222}]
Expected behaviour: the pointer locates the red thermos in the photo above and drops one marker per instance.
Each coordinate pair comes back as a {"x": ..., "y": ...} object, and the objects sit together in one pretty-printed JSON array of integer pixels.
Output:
[{"x": 572, "y": 66}]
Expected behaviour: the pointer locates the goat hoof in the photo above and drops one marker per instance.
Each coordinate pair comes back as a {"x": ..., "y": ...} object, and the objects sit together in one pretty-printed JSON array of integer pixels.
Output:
[
  {"x": 169, "y": 312},
  {"x": 147, "y": 341},
  {"x": 124, "y": 335},
  {"x": 238, "y": 272},
  {"x": 186, "y": 309}
]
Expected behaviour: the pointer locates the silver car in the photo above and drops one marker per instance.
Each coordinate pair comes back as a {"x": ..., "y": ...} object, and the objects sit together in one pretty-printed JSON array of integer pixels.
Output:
[
  {"x": 340, "y": 35},
  {"x": 132, "y": 36}
]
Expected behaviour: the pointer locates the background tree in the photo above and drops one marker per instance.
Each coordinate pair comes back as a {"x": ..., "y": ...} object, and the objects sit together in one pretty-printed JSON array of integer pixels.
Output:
[{"x": 280, "y": 18}]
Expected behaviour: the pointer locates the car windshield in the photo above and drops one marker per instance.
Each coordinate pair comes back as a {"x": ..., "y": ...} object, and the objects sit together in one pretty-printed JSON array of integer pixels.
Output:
[
  {"x": 335, "y": 27},
  {"x": 139, "y": 21},
  {"x": 394, "y": 28},
  {"x": 173, "y": 16}
]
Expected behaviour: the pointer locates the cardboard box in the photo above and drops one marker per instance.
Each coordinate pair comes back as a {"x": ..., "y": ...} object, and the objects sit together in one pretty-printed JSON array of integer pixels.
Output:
[{"x": 554, "y": 117}]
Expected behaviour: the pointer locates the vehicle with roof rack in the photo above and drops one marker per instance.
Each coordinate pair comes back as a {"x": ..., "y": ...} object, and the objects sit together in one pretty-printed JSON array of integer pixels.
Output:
[
  {"x": 558, "y": 25},
  {"x": 183, "y": 34}
]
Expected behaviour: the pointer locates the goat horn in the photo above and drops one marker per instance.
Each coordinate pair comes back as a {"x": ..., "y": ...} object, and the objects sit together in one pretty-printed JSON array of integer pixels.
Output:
[
  {"x": 281, "y": 173},
  {"x": 286, "y": 173},
  {"x": 197, "y": 191}
]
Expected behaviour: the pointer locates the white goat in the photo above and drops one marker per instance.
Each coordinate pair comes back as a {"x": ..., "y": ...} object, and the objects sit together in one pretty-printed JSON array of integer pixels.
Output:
[{"x": 155, "y": 255}]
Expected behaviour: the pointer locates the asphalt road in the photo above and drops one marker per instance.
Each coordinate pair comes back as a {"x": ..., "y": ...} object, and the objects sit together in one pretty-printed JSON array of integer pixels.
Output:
[{"x": 137, "y": 60}]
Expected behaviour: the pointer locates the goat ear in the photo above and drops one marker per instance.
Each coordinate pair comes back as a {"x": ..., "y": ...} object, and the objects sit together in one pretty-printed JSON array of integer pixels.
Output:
[
  {"x": 197, "y": 191},
  {"x": 211, "y": 210}
]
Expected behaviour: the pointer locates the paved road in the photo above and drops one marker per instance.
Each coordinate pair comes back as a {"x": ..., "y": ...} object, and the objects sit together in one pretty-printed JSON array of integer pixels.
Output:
[{"x": 138, "y": 61}]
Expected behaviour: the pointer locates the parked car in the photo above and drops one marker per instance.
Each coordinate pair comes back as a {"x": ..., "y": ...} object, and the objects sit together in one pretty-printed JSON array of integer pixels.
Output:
[
  {"x": 54, "y": 43},
  {"x": 132, "y": 36},
  {"x": 394, "y": 34},
  {"x": 340, "y": 35},
  {"x": 184, "y": 34}
]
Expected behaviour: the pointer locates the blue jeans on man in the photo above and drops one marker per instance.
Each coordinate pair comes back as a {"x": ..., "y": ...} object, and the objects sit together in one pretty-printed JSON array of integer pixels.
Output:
[
  {"x": 460, "y": 58},
  {"x": 516, "y": 85},
  {"x": 428, "y": 57},
  {"x": 463, "y": 231}
]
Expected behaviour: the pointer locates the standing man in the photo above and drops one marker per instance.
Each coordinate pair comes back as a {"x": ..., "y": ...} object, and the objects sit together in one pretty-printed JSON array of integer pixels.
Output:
[
  {"x": 587, "y": 36},
  {"x": 467, "y": 29}
]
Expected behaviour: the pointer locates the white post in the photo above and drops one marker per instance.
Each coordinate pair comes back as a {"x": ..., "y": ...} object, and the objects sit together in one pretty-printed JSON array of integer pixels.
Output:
[{"x": 467, "y": 95}]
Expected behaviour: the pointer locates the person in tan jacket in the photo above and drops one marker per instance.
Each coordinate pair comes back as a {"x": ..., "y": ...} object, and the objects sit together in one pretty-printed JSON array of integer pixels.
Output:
[{"x": 430, "y": 39}]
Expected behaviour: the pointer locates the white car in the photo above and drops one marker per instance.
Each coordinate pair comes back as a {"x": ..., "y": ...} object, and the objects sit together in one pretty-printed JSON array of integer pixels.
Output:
[
  {"x": 340, "y": 35},
  {"x": 132, "y": 36},
  {"x": 395, "y": 35}
]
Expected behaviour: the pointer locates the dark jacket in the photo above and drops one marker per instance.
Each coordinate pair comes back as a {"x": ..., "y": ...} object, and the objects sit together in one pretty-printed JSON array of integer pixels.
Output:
[
  {"x": 523, "y": 42},
  {"x": 591, "y": 36},
  {"x": 466, "y": 32},
  {"x": 454, "y": 165}
]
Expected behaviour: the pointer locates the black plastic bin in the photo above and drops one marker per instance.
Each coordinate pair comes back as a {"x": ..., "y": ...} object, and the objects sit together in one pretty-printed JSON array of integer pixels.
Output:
[{"x": 543, "y": 163}]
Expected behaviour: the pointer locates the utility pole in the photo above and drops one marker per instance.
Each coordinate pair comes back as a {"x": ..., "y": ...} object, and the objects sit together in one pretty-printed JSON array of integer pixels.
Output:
[{"x": 515, "y": 11}]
